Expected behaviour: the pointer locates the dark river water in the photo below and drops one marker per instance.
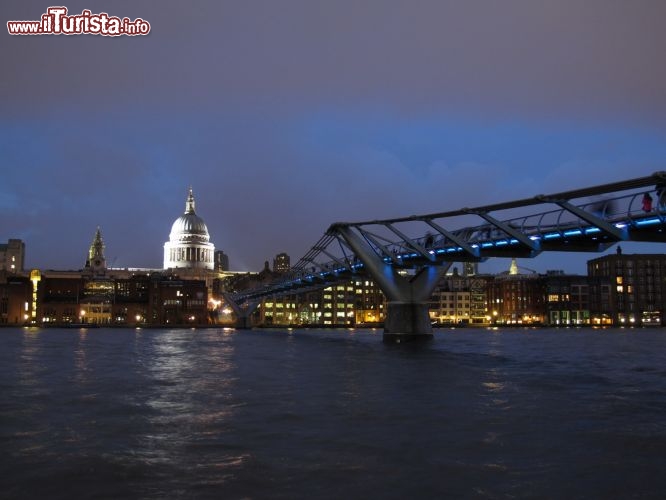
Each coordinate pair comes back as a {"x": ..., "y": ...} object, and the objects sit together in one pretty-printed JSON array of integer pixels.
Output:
[{"x": 209, "y": 413}]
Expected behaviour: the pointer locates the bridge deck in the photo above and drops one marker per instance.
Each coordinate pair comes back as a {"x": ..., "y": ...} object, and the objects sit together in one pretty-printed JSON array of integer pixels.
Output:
[{"x": 611, "y": 213}]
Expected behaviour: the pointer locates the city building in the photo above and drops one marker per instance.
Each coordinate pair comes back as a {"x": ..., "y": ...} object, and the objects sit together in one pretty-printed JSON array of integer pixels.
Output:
[
  {"x": 349, "y": 303},
  {"x": 600, "y": 300},
  {"x": 460, "y": 299},
  {"x": 15, "y": 298},
  {"x": 470, "y": 268},
  {"x": 221, "y": 261},
  {"x": 450, "y": 307},
  {"x": 516, "y": 298},
  {"x": 629, "y": 289},
  {"x": 12, "y": 256},
  {"x": 189, "y": 245},
  {"x": 136, "y": 299},
  {"x": 281, "y": 263},
  {"x": 281, "y": 311},
  {"x": 567, "y": 299},
  {"x": 370, "y": 303}
]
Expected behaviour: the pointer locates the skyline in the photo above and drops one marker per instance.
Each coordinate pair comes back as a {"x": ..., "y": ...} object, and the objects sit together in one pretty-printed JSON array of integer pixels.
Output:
[{"x": 285, "y": 117}]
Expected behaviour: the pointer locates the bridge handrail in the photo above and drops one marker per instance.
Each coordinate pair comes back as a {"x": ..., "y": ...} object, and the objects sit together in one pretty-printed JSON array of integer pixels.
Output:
[{"x": 558, "y": 222}]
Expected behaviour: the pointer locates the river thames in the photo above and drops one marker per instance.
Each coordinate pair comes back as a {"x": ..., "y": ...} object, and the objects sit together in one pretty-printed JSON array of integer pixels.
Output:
[{"x": 213, "y": 413}]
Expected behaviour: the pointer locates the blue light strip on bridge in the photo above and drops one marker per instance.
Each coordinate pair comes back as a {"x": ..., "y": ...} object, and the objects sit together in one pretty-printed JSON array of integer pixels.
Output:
[
  {"x": 648, "y": 222},
  {"x": 307, "y": 280}
]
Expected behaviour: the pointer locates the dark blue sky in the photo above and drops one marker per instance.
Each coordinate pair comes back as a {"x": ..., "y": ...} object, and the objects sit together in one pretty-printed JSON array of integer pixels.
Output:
[{"x": 287, "y": 115}]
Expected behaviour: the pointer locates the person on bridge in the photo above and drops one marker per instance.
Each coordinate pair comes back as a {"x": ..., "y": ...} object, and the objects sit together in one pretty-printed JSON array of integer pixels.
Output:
[
  {"x": 647, "y": 202},
  {"x": 661, "y": 195}
]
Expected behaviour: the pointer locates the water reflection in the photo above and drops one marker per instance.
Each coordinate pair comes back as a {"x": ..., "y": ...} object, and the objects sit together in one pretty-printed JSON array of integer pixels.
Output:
[
  {"x": 81, "y": 359},
  {"x": 28, "y": 367},
  {"x": 189, "y": 380}
]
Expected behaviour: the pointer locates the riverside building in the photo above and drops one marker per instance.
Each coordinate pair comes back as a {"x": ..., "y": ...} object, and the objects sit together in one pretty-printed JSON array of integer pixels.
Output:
[
  {"x": 181, "y": 293},
  {"x": 630, "y": 289},
  {"x": 12, "y": 255}
]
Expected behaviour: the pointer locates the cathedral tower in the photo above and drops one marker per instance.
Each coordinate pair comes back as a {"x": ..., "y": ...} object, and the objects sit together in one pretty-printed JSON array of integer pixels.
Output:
[{"x": 96, "y": 261}]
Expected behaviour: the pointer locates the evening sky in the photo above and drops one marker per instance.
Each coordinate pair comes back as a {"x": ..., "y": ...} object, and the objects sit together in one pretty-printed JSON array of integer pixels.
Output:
[{"x": 287, "y": 115}]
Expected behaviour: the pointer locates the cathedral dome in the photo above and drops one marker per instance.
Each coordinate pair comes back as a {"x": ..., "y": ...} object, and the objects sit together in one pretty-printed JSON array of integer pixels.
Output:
[
  {"x": 189, "y": 245},
  {"x": 189, "y": 226}
]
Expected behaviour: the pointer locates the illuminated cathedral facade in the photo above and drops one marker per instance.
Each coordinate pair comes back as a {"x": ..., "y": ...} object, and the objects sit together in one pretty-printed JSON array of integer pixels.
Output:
[{"x": 189, "y": 245}]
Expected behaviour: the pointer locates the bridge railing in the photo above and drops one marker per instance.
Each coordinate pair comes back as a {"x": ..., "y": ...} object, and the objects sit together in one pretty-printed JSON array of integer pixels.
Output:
[{"x": 330, "y": 260}]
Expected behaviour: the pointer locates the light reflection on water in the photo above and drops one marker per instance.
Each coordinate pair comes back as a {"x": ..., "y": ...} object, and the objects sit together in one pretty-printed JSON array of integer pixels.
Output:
[{"x": 270, "y": 414}]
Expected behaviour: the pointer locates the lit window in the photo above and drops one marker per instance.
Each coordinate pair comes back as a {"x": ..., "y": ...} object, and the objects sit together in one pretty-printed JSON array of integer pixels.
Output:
[{"x": 618, "y": 280}]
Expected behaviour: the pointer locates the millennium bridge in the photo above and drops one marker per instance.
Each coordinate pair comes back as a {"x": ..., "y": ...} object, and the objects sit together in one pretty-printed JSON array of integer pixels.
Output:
[{"x": 407, "y": 256}]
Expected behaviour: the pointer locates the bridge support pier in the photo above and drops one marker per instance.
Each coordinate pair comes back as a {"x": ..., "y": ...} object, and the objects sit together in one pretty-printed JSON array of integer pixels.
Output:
[
  {"x": 407, "y": 322},
  {"x": 243, "y": 312},
  {"x": 406, "y": 317},
  {"x": 243, "y": 323}
]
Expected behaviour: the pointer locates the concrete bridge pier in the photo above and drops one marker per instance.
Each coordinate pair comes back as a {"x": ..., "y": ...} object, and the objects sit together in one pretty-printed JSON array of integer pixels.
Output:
[
  {"x": 243, "y": 322},
  {"x": 406, "y": 317},
  {"x": 243, "y": 312},
  {"x": 406, "y": 322}
]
